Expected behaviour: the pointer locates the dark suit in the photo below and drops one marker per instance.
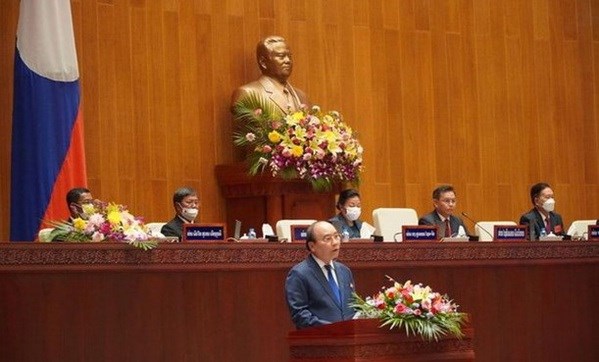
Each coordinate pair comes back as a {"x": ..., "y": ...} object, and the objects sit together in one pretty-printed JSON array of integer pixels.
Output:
[
  {"x": 433, "y": 219},
  {"x": 173, "y": 228},
  {"x": 534, "y": 219},
  {"x": 310, "y": 298},
  {"x": 340, "y": 224},
  {"x": 265, "y": 86}
]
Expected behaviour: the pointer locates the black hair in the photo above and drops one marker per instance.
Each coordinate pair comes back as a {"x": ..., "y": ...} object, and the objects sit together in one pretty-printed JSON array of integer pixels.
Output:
[
  {"x": 74, "y": 194},
  {"x": 442, "y": 189},
  {"x": 182, "y": 193},
  {"x": 536, "y": 190},
  {"x": 346, "y": 195}
]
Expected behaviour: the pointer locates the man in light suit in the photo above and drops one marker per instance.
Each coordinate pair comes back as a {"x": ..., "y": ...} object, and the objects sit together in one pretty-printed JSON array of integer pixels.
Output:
[
  {"x": 444, "y": 201},
  {"x": 275, "y": 62},
  {"x": 542, "y": 215},
  {"x": 319, "y": 290}
]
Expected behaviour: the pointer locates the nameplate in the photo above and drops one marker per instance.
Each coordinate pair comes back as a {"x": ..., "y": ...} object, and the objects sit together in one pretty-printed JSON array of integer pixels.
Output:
[
  {"x": 419, "y": 233},
  {"x": 593, "y": 232},
  {"x": 204, "y": 232},
  {"x": 510, "y": 233},
  {"x": 299, "y": 232}
]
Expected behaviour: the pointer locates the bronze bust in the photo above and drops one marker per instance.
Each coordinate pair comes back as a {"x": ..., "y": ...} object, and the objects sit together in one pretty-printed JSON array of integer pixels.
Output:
[{"x": 276, "y": 63}]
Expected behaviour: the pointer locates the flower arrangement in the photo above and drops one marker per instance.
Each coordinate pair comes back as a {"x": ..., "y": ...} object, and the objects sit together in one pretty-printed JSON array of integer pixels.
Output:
[
  {"x": 104, "y": 222},
  {"x": 311, "y": 145},
  {"x": 417, "y": 309}
]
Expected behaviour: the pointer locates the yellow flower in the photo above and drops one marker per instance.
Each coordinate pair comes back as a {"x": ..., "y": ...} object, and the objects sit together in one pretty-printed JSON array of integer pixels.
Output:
[
  {"x": 79, "y": 224},
  {"x": 294, "y": 118},
  {"x": 297, "y": 151},
  {"x": 274, "y": 137},
  {"x": 114, "y": 217}
]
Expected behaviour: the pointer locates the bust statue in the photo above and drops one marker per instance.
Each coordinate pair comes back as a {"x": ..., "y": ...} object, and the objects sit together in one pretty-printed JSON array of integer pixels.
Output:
[{"x": 275, "y": 62}]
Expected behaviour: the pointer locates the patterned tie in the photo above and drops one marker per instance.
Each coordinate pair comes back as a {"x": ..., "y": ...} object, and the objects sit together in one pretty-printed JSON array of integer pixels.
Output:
[
  {"x": 548, "y": 225},
  {"x": 447, "y": 228},
  {"x": 333, "y": 284}
]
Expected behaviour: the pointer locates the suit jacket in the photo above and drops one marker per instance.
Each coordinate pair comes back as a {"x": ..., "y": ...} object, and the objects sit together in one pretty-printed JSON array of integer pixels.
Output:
[
  {"x": 340, "y": 224},
  {"x": 534, "y": 219},
  {"x": 173, "y": 227},
  {"x": 433, "y": 219},
  {"x": 265, "y": 86},
  {"x": 310, "y": 299}
]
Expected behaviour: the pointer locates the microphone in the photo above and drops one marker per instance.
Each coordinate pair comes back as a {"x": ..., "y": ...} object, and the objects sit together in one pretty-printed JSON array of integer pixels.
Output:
[{"x": 476, "y": 223}]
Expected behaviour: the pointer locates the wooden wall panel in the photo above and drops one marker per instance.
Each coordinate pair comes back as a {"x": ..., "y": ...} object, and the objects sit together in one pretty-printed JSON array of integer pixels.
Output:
[{"x": 491, "y": 96}]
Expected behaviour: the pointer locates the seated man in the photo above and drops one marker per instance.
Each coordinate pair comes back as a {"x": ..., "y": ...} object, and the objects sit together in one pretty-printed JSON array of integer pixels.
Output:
[
  {"x": 319, "y": 289},
  {"x": 185, "y": 202},
  {"x": 76, "y": 199},
  {"x": 275, "y": 62},
  {"x": 541, "y": 218},
  {"x": 444, "y": 201}
]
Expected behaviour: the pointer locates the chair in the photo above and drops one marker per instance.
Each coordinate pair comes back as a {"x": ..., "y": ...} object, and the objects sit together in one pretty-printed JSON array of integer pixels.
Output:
[
  {"x": 155, "y": 228},
  {"x": 485, "y": 230},
  {"x": 580, "y": 228},
  {"x": 43, "y": 235},
  {"x": 388, "y": 221},
  {"x": 284, "y": 226}
]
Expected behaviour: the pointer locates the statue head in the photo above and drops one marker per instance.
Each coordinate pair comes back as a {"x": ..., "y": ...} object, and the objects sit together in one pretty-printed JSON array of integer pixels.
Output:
[{"x": 274, "y": 58}]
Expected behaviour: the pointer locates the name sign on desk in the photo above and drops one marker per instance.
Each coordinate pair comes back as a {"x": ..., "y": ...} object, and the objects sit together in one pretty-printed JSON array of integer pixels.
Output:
[
  {"x": 299, "y": 232},
  {"x": 510, "y": 233},
  {"x": 593, "y": 232},
  {"x": 203, "y": 232},
  {"x": 419, "y": 233}
]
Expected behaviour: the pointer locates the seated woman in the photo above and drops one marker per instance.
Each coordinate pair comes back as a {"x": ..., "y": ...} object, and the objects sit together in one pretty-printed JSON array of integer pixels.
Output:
[{"x": 347, "y": 221}]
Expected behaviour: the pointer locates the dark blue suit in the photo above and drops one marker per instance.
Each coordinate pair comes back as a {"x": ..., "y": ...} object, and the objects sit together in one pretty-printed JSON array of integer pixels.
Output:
[
  {"x": 535, "y": 221},
  {"x": 310, "y": 299},
  {"x": 433, "y": 219}
]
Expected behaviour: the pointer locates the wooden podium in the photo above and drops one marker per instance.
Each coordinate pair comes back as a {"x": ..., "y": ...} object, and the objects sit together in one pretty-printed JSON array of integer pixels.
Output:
[
  {"x": 255, "y": 200},
  {"x": 363, "y": 340}
]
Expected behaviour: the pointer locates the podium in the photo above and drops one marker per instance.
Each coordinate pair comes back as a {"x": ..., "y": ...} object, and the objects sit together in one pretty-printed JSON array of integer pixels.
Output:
[
  {"x": 262, "y": 198},
  {"x": 363, "y": 340}
]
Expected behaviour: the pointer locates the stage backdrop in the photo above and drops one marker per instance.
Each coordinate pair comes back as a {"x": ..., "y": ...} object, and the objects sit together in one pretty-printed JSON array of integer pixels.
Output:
[{"x": 491, "y": 96}]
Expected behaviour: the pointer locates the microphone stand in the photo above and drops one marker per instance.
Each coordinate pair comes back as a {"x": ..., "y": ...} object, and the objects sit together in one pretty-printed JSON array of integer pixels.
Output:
[{"x": 476, "y": 223}]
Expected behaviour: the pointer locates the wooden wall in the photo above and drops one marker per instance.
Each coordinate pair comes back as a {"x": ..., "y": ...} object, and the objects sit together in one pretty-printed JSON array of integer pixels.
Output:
[{"x": 491, "y": 96}]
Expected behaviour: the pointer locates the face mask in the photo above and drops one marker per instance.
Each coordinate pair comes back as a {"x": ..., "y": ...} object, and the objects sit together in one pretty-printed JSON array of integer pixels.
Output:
[
  {"x": 549, "y": 205},
  {"x": 83, "y": 211},
  {"x": 189, "y": 213},
  {"x": 352, "y": 213}
]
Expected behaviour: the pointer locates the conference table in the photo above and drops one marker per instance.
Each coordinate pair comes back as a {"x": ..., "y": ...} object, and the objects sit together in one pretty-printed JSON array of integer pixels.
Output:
[{"x": 219, "y": 301}]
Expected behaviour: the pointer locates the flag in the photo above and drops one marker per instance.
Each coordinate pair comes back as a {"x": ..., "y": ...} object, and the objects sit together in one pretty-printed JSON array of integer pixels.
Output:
[{"x": 48, "y": 155}]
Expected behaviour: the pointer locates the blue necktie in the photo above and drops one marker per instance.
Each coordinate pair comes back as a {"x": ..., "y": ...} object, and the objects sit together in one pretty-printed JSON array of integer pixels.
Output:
[{"x": 333, "y": 284}]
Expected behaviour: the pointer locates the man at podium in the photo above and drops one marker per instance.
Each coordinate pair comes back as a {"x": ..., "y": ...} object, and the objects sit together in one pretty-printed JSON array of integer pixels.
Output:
[{"x": 319, "y": 290}]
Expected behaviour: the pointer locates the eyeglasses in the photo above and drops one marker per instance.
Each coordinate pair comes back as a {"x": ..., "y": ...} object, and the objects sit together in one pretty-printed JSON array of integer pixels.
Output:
[
  {"x": 331, "y": 237},
  {"x": 190, "y": 203},
  {"x": 449, "y": 201}
]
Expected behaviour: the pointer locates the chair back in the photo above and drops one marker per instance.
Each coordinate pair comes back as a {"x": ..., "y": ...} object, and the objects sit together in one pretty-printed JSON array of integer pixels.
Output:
[
  {"x": 388, "y": 221},
  {"x": 580, "y": 227},
  {"x": 284, "y": 226},
  {"x": 155, "y": 228}
]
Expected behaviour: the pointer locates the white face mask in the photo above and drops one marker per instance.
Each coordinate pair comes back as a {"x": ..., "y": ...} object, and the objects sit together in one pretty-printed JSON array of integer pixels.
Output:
[
  {"x": 353, "y": 213},
  {"x": 189, "y": 213},
  {"x": 549, "y": 205}
]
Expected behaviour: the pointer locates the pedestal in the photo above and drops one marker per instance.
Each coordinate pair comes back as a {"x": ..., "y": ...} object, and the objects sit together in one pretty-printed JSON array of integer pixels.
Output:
[
  {"x": 363, "y": 340},
  {"x": 255, "y": 200}
]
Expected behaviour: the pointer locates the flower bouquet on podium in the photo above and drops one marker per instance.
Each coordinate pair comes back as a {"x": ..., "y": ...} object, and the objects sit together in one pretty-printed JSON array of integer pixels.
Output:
[
  {"x": 104, "y": 222},
  {"x": 309, "y": 144},
  {"x": 415, "y": 308}
]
